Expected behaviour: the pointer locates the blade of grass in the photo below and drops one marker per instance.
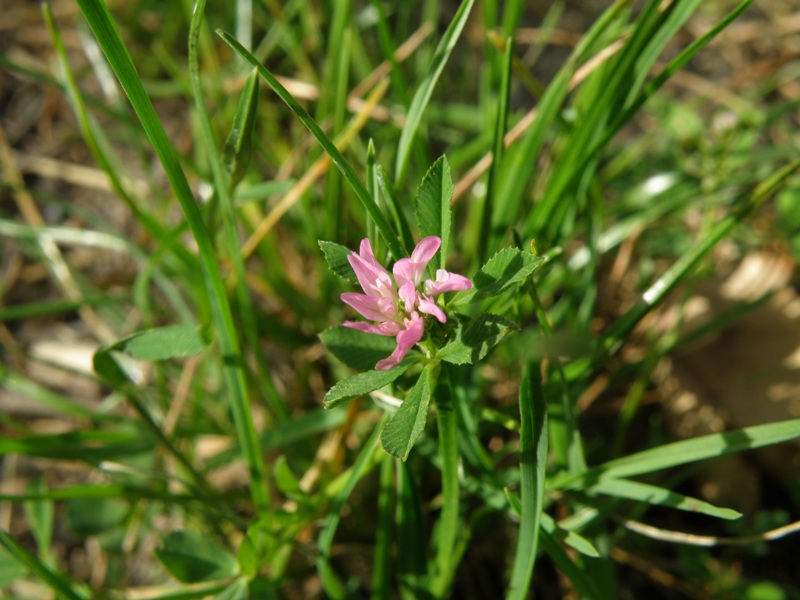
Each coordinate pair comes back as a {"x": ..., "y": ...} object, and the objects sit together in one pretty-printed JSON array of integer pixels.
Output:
[
  {"x": 445, "y": 561},
  {"x": 97, "y": 15},
  {"x": 516, "y": 172},
  {"x": 675, "y": 65},
  {"x": 222, "y": 187},
  {"x": 501, "y": 121},
  {"x": 330, "y": 148},
  {"x": 574, "y": 572},
  {"x": 333, "y": 588},
  {"x": 425, "y": 90},
  {"x": 316, "y": 171},
  {"x": 101, "y": 152},
  {"x": 745, "y": 205},
  {"x": 33, "y": 392},
  {"x": 601, "y": 92},
  {"x": 381, "y": 570},
  {"x": 412, "y": 563},
  {"x": 652, "y": 494},
  {"x": 533, "y": 463},
  {"x": 55, "y": 580},
  {"x": 634, "y": 100},
  {"x": 683, "y": 452}
]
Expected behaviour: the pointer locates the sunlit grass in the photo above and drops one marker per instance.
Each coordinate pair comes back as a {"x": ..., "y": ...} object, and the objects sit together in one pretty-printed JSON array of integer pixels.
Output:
[{"x": 227, "y": 437}]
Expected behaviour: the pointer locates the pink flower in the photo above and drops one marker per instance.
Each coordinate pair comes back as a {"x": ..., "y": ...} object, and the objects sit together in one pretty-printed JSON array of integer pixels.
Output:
[{"x": 394, "y": 305}]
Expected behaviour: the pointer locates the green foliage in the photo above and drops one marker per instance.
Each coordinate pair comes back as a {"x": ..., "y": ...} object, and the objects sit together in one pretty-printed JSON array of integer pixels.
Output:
[
  {"x": 336, "y": 256},
  {"x": 92, "y": 516},
  {"x": 472, "y": 339},
  {"x": 501, "y": 273},
  {"x": 191, "y": 557},
  {"x": 362, "y": 384},
  {"x": 357, "y": 349},
  {"x": 407, "y": 424},
  {"x": 432, "y": 207},
  {"x": 584, "y": 199}
]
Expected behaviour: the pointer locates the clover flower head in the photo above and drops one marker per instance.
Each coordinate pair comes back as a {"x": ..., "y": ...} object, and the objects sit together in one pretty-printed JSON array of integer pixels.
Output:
[{"x": 395, "y": 304}]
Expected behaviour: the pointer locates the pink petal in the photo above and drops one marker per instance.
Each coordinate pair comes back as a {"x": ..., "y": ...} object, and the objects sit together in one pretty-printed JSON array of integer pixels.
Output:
[
  {"x": 405, "y": 341},
  {"x": 367, "y": 327},
  {"x": 388, "y": 363},
  {"x": 405, "y": 272},
  {"x": 374, "y": 280},
  {"x": 429, "y": 307},
  {"x": 408, "y": 293},
  {"x": 425, "y": 250},
  {"x": 447, "y": 282},
  {"x": 369, "y": 307},
  {"x": 366, "y": 253},
  {"x": 388, "y": 328}
]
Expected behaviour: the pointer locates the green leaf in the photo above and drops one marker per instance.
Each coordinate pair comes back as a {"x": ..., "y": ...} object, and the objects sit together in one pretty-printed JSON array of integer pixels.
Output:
[
  {"x": 473, "y": 338},
  {"x": 248, "y": 558},
  {"x": 238, "y": 145},
  {"x": 162, "y": 343},
  {"x": 92, "y": 516},
  {"x": 255, "y": 548},
  {"x": 651, "y": 494},
  {"x": 571, "y": 538},
  {"x": 357, "y": 349},
  {"x": 402, "y": 432},
  {"x": 363, "y": 383},
  {"x": 10, "y": 569},
  {"x": 425, "y": 90},
  {"x": 685, "y": 451},
  {"x": 191, "y": 557},
  {"x": 287, "y": 481},
  {"x": 336, "y": 257},
  {"x": 433, "y": 205},
  {"x": 502, "y": 272},
  {"x": 39, "y": 514}
]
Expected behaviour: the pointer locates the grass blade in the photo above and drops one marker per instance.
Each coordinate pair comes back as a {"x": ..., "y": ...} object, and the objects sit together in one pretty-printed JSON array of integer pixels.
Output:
[
  {"x": 687, "y": 451},
  {"x": 423, "y": 94},
  {"x": 101, "y": 23},
  {"x": 382, "y": 571},
  {"x": 333, "y": 587},
  {"x": 533, "y": 463},
  {"x": 612, "y": 339},
  {"x": 445, "y": 561},
  {"x": 330, "y": 148},
  {"x": 575, "y": 573},
  {"x": 498, "y": 150},
  {"x": 651, "y": 494},
  {"x": 223, "y": 186},
  {"x": 52, "y": 578}
]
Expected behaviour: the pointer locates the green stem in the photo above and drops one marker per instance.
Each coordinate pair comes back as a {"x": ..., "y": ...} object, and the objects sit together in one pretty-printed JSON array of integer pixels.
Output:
[
  {"x": 445, "y": 561},
  {"x": 532, "y": 464},
  {"x": 382, "y": 570}
]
